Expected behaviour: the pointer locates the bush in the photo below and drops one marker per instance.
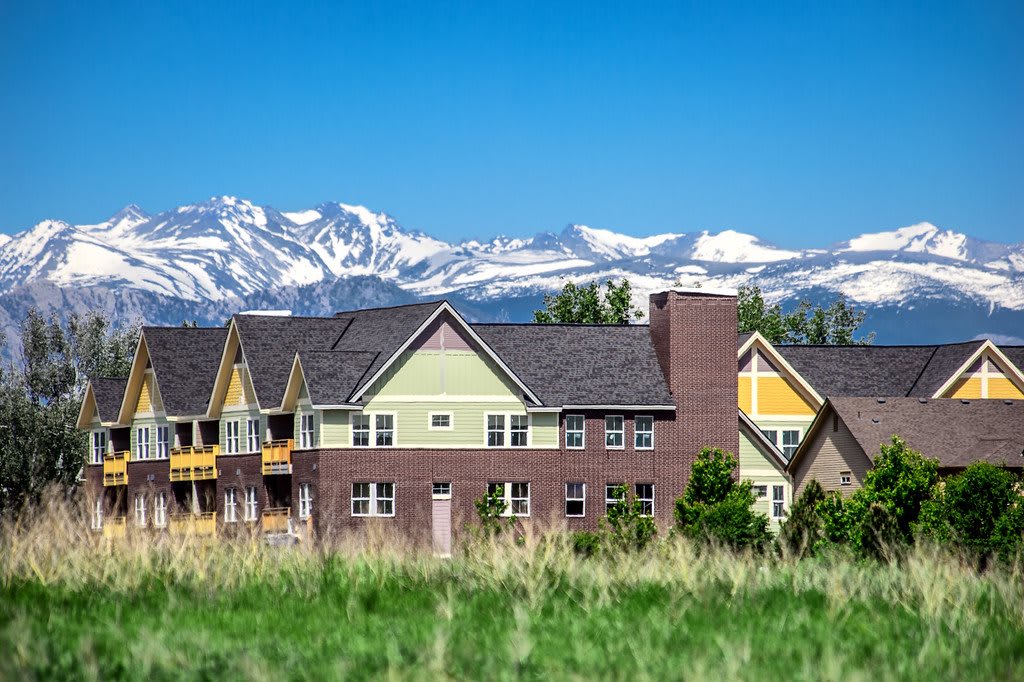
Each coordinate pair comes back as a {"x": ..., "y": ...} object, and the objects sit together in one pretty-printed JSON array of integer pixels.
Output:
[
  {"x": 715, "y": 508},
  {"x": 585, "y": 543},
  {"x": 625, "y": 525},
  {"x": 803, "y": 530},
  {"x": 491, "y": 508}
]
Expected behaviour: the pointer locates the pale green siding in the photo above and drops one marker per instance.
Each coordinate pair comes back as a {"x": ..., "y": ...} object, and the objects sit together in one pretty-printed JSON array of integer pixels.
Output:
[
  {"x": 241, "y": 415},
  {"x": 301, "y": 410},
  {"x": 545, "y": 430},
  {"x": 332, "y": 428},
  {"x": 759, "y": 468},
  {"x": 152, "y": 423},
  {"x": 448, "y": 373}
]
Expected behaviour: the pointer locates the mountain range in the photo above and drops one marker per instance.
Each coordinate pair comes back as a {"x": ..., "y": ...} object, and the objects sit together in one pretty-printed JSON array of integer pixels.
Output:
[{"x": 208, "y": 260}]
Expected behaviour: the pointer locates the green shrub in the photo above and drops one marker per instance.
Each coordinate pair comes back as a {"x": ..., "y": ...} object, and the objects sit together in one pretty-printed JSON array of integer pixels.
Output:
[
  {"x": 715, "y": 508},
  {"x": 803, "y": 530},
  {"x": 585, "y": 543},
  {"x": 625, "y": 526},
  {"x": 491, "y": 508}
]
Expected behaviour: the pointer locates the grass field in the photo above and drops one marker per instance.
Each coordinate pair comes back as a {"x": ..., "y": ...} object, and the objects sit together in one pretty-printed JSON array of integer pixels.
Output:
[{"x": 71, "y": 608}]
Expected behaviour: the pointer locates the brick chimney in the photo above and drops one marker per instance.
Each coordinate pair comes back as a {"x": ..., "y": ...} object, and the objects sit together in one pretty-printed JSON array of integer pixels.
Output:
[{"x": 694, "y": 335}]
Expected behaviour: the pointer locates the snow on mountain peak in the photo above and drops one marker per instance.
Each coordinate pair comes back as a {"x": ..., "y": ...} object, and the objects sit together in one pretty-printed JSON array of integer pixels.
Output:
[
  {"x": 730, "y": 246},
  {"x": 917, "y": 238},
  {"x": 613, "y": 245}
]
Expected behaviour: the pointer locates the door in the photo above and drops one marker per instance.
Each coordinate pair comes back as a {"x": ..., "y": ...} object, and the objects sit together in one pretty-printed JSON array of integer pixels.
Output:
[{"x": 441, "y": 518}]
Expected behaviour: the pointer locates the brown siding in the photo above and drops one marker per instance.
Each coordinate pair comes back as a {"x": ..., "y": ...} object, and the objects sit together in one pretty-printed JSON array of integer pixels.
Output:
[{"x": 828, "y": 453}]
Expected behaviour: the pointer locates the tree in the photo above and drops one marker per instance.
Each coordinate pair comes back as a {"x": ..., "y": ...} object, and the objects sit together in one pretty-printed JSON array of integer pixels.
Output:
[
  {"x": 835, "y": 325},
  {"x": 715, "y": 508},
  {"x": 491, "y": 508},
  {"x": 625, "y": 525},
  {"x": 585, "y": 304},
  {"x": 802, "y": 532}
]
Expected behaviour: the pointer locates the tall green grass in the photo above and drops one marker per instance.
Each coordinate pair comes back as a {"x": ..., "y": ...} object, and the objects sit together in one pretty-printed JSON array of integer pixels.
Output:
[{"x": 75, "y": 606}]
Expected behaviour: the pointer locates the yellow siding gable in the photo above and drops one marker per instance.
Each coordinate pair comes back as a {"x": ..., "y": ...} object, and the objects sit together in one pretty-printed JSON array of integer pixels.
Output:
[
  {"x": 967, "y": 388},
  {"x": 1003, "y": 388},
  {"x": 239, "y": 389},
  {"x": 745, "y": 393},
  {"x": 775, "y": 395},
  {"x": 144, "y": 405}
]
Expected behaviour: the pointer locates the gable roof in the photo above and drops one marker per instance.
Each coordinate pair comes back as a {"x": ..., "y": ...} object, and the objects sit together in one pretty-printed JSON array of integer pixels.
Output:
[
  {"x": 858, "y": 370},
  {"x": 185, "y": 361},
  {"x": 582, "y": 365},
  {"x": 331, "y": 376},
  {"x": 955, "y": 432},
  {"x": 108, "y": 392},
  {"x": 1014, "y": 354}
]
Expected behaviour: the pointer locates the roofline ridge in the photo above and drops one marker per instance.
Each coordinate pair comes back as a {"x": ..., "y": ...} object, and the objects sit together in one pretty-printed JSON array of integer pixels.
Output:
[
  {"x": 557, "y": 324},
  {"x": 434, "y": 303},
  {"x": 920, "y": 374}
]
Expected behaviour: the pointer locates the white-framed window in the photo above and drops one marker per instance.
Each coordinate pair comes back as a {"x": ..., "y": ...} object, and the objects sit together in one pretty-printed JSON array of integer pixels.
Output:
[
  {"x": 251, "y": 503},
  {"x": 231, "y": 437},
  {"x": 99, "y": 446},
  {"x": 142, "y": 442},
  {"x": 305, "y": 500},
  {"x": 575, "y": 431},
  {"x": 778, "y": 501},
  {"x": 440, "y": 421},
  {"x": 252, "y": 435},
  {"x": 612, "y": 495},
  {"x": 360, "y": 430},
  {"x": 790, "y": 442},
  {"x": 306, "y": 431},
  {"x": 97, "y": 517},
  {"x": 645, "y": 496},
  {"x": 643, "y": 432},
  {"x": 495, "y": 430},
  {"x": 575, "y": 499},
  {"x": 140, "y": 510},
  {"x": 516, "y": 495},
  {"x": 441, "y": 490},
  {"x": 613, "y": 432},
  {"x": 373, "y": 499},
  {"x": 163, "y": 442},
  {"x": 160, "y": 509},
  {"x": 845, "y": 478},
  {"x": 230, "y": 505},
  {"x": 760, "y": 491},
  {"x": 384, "y": 430},
  {"x": 519, "y": 430}
]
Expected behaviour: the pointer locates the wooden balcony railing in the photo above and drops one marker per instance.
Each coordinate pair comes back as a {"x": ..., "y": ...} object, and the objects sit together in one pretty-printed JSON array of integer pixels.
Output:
[
  {"x": 194, "y": 463},
  {"x": 114, "y": 527},
  {"x": 277, "y": 457},
  {"x": 277, "y": 520},
  {"x": 201, "y": 524},
  {"x": 115, "y": 468}
]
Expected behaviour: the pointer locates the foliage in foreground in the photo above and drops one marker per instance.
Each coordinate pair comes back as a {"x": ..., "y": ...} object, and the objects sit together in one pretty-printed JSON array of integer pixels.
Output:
[
  {"x": 837, "y": 324},
  {"x": 157, "y": 607},
  {"x": 585, "y": 304}
]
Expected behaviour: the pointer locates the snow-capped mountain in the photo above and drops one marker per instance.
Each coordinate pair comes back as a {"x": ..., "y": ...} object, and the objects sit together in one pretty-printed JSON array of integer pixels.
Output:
[{"x": 228, "y": 254}]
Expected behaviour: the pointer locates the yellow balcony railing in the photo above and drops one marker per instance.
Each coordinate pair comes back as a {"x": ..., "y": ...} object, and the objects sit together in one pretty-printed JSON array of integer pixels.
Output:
[
  {"x": 277, "y": 520},
  {"x": 201, "y": 524},
  {"x": 277, "y": 457},
  {"x": 115, "y": 468},
  {"x": 194, "y": 463},
  {"x": 114, "y": 527}
]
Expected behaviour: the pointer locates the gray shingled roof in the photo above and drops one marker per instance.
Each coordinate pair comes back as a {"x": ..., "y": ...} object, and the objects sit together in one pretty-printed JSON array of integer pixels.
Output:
[
  {"x": 109, "y": 393},
  {"x": 858, "y": 370},
  {"x": 581, "y": 364},
  {"x": 946, "y": 360},
  {"x": 332, "y": 375},
  {"x": 269, "y": 343},
  {"x": 185, "y": 361},
  {"x": 1015, "y": 355},
  {"x": 955, "y": 432}
]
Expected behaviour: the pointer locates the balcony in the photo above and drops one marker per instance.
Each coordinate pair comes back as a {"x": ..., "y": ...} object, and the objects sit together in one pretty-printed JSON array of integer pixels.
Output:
[
  {"x": 194, "y": 463},
  {"x": 115, "y": 468},
  {"x": 277, "y": 520},
  {"x": 203, "y": 524},
  {"x": 277, "y": 457},
  {"x": 114, "y": 527}
]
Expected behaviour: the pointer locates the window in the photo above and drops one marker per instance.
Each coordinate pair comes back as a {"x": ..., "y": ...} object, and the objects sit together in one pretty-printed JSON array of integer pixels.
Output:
[
  {"x": 760, "y": 491},
  {"x": 613, "y": 494},
  {"x": 442, "y": 491},
  {"x": 778, "y": 501},
  {"x": 644, "y": 433},
  {"x": 140, "y": 510},
  {"x": 160, "y": 509},
  {"x": 441, "y": 422},
  {"x": 231, "y": 438},
  {"x": 520, "y": 430},
  {"x": 613, "y": 432},
  {"x": 575, "y": 429},
  {"x": 305, "y": 500},
  {"x": 645, "y": 496},
  {"x": 306, "y": 431},
  {"x": 252, "y": 435},
  {"x": 373, "y": 499},
  {"x": 99, "y": 446},
  {"x": 162, "y": 444},
  {"x": 845, "y": 478},
  {"x": 575, "y": 499},
  {"x": 97, "y": 518},
  {"x": 361, "y": 430},
  {"x": 230, "y": 505},
  {"x": 771, "y": 434},
  {"x": 385, "y": 436},
  {"x": 516, "y": 495},
  {"x": 495, "y": 430},
  {"x": 790, "y": 441},
  {"x": 142, "y": 443},
  {"x": 250, "y": 503}
]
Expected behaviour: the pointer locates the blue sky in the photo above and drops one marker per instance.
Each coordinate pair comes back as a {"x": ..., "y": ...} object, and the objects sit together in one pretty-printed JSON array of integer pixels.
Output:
[{"x": 803, "y": 123}]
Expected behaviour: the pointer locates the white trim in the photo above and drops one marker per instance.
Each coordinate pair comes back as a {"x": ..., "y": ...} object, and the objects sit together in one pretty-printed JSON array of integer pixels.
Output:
[
  {"x": 506, "y": 431},
  {"x": 990, "y": 347},
  {"x": 122, "y": 414},
  {"x": 373, "y": 499},
  {"x": 635, "y": 432},
  {"x": 575, "y": 499},
  {"x": 780, "y": 361},
  {"x": 305, "y": 500},
  {"x": 621, "y": 432},
  {"x": 393, "y": 429},
  {"x": 231, "y": 495},
  {"x": 583, "y": 432},
  {"x": 506, "y": 489},
  {"x": 445, "y": 307},
  {"x": 430, "y": 421},
  {"x": 368, "y": 431},
  {"x": 642, "y": 500},
  {"x": 440, "y": 496},
  {"x": 160, "y": 509}
]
